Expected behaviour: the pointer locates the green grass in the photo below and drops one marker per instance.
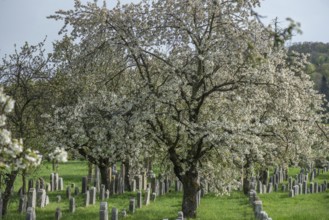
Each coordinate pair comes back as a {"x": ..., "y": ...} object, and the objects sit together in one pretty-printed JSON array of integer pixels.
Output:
[
  {"x": 280, "y": 206},
  {"x": 227, "y": 207}
]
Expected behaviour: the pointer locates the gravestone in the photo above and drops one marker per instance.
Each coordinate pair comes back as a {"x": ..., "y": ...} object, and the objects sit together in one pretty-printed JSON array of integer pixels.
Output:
[
  {"x": 68, "y": 192},
  {"x": 276, "y": 186},
  {"x": 59, "y": 198},
  {"x": 180, "y": 215},
  {"x": 102, "y": 192},
  {"x": 103, "y": 211},
  {"x": 153, "y": 197},
  {"x": 60, "y": 184},
  {"x": 32, "y": 198},
  {"x": 123, "y": 213},
  {"x": 48, "y": 187},
  {"x": 296, "y": 190},
  {"x": 56, "y": 181},
  {"x": 305, "y": 187},
  {"x": 41, "y": 198},
  {"x": 107, "y": 194},
  {"x": 283, "y": 187},
  {"x": 87, "y": 198},
  {"x": 139, "y": 199},
  {"x": 311, "y": 187},
  {"x": 37, "y": 185},
  {"x": 316, "y": 188},
  {"x": 270, "y": 188},
  {"x": 138, "y": 180},
  {"x": 76, "y": 191},
  {"x": 22, "y": 206},
  {"x": 258, "y": 207},
  {"x": 72, "y": 204},
  {"x": 58, "y": 214},
  {"x": 147, "y": 196},
  {"x": 114, "y": 215},
  {"x": 260, "y": 187},
  {"x": 291, "y": 193},
  {"x": 132, "y": 205},
  {"x": 30, "y": 214},
  {"x": 84, "y": 184},
  {"x": 92, "y": 198},
  {"x": 133, "y": 185},
  {"x": 47, "y": 200}
]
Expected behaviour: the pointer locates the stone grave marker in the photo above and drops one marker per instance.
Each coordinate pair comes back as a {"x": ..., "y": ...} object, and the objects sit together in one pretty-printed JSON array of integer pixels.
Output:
[
  {"x": 72, "y": 205},
  {"x": 103, "y": 211},
  {"x": 115, "y": 215},
  {"x": 58, "y": 214},
  {"x": 32, "y": 198}
]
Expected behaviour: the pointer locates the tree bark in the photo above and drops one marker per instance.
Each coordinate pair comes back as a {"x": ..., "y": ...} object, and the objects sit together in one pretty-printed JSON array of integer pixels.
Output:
[
  {"x": 191, "y": 187},
  {"x": 10, "y": 179},
  {"x": 105, "y": 179},
  {"x": 24, "y": 182},
  {"x": 247, "y": 175},
  {"x": 126, "y": 177}
]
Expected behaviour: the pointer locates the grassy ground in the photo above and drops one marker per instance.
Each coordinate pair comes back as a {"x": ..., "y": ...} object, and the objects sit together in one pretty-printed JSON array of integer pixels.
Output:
[
  {"x": 280, "y": 206},
  {"x": 228, "y": 207}
]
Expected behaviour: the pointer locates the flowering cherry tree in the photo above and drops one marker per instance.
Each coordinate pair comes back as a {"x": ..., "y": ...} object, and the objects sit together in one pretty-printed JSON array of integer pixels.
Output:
[
  {"x": 217, "y": 88},
  {"x": 13, "y": 156}
]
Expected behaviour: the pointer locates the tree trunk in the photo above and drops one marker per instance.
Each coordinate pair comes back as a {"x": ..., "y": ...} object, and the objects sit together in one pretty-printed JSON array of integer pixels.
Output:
[
  {"x": 24, "y": 182},
  {"x": 247, "y": 175},
  {"x": 10, "y": 179},
  {"x": 105, "y": 178},
  {"x": 126, "y": 177},
  {"x": 191, "y": 187}
]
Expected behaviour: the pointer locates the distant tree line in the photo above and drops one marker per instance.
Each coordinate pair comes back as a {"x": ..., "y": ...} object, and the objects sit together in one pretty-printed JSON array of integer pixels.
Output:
[{"x": 319, "y": 63}]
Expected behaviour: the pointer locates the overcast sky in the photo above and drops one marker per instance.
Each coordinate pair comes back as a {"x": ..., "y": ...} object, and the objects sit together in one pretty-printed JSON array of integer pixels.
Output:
[{"x": 25, "y": 20}]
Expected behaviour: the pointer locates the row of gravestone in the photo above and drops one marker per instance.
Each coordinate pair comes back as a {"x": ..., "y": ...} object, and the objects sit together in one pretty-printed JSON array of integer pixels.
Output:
[{"x": 257, "y": 205}]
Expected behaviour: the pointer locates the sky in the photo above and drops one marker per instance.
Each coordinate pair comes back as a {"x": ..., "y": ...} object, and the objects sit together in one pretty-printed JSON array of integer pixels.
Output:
[{"x": 25, "y": 20}]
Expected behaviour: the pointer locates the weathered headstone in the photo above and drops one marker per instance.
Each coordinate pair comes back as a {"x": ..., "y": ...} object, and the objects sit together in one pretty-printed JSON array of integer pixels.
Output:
[
  {"x": 311, "y": 187},
  {"x": 180, "y": 215},
  {"x": 260, "y": 187},
  {"x": 68, "y": 192},
  {"x": 60, "y": 183},
  {"x": 22, "y": 206},
  {"x": 270, "y": 188},
  {"x": 316, "y": 188},
  {"x": 153, "y": 197},
  {"x": 296, "y": 190},
  {"x": 291, "y": 193},
  {"x": 123, "y": 213},
  {"x": 107, "y": 194},
  {"x": 258, "y": 207},
  {"x": 87, "y": 198},
  {"x": 139, "y": 199},
  {"x": 103, "y": 211},
  {"x": 92, "y": 198},
  {"x": 58, "y": 214},
  {"x": 115, "y": 215},
  {"x": 41, "y": 198},
  {"x": 72, "y": 204},
  {"x": 147, "y": 196},
  {"x": 102, "y": 192},
  {"x": 76, "y": 191},
  {"x": 30, "y": 213},
  {"x": 132, "y": 205},
  {"x": 48, "y": 187},
  {"x": 133, "y": 185},
  {"x": 304, "y": 187},
  {"x": 56, "y": 178},
  {"x": 32, "y": 198},
  {"x": 84, "y": 184},
  {"x": 59, "y": 198}
]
